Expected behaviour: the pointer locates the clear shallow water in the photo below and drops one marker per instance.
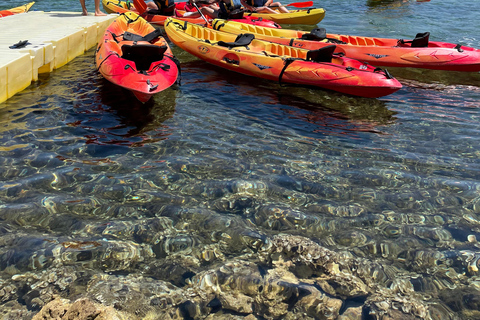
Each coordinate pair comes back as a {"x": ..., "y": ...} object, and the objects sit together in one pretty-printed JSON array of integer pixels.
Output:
[{"x": 194, "y": 196}]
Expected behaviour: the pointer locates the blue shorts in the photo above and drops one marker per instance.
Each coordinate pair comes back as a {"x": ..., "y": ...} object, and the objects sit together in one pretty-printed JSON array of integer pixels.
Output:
[{"x": 259, "y": 3}]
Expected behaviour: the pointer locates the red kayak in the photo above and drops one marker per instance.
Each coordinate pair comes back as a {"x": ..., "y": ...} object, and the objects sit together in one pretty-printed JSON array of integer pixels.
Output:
[
  {"x": 419, "y": 52},
  {"x": 256, "y": 21},
  {"x": 119, "y": 6},
  {"x": 250, "y": 20},
  {"x": 184, "y": 7},
  {"x": 133, "y": 55},
  {"x": 155, "y": 18}
]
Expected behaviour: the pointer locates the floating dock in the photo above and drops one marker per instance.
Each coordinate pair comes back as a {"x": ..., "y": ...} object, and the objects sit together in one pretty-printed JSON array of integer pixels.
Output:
[{"x": 53, "y": 40}]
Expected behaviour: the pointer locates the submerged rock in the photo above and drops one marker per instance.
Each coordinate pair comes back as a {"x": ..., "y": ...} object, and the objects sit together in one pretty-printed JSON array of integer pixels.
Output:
[
  {"x": 82, "y": 309},
  {"x": 292, "y": 277}
]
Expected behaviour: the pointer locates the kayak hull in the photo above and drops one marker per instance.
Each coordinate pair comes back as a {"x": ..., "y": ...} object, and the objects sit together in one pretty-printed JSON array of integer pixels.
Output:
[
  {"x": 16, "y": 10},
  {"x": 147, "y": 68},
  {"x": 267, "y": 60},
  {"x": 385, "y": 52}
]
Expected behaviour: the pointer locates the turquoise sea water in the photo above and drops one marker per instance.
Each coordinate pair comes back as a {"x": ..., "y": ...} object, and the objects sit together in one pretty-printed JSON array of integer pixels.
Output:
[{"x": 98, "y": 191}]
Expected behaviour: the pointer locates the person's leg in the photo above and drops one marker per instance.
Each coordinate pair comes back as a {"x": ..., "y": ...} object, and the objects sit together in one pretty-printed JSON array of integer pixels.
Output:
[
  {"x": 188, "y": 14},
  {"x": 266, "y": 10},
  {"x": 280, "y": 7},
  {"x": 152, "y": 5},
  {"x": 84, "y": 8},
  {"x": 98, "y": 12},
  {"x": 207, "y": 11}
]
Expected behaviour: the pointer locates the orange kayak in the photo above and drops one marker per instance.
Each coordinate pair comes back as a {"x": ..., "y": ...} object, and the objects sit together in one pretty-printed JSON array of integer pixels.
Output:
[
  {"x": 16, "y": 10},
  {"x": 133, "y": 55},
  {"x": 247, "y": 55},
  {"x": 419, "y": 52}
]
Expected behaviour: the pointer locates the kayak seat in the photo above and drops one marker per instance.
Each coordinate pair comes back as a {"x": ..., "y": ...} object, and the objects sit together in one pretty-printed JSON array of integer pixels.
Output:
[
  {"x": 171, "y": 12},
  {"x": 162, "y": 9},
  {"x": 143, "y": 54},
  {"x": 321, "y": 55},
  {"x": 242, "y": 40},
  {"x": 320, "y": 34},
  {"x": 421, "y": 40},
  {"x": 317, "y": 34},
  {"x": 128, "y": 36}
]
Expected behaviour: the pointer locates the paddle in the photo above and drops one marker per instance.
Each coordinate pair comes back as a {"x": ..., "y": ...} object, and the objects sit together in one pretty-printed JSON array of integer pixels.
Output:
[
  {"x": 140, "y": 5},
  {"x": 300, "y": 4},
  {"x": 199, "y": 11},
  {"x": 305, "y": 4}
]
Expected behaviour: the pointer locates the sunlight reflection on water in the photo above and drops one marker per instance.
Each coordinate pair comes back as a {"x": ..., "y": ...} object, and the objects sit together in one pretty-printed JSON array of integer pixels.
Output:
[{"x": 229, "y": 188}]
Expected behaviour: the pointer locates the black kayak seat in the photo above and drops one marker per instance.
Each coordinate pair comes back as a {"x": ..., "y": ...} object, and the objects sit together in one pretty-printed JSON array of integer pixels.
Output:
[
  {"x": 242, "y": 40},
  {"x": 321, "y": 55},
  {"x": 421, "y": 40},
  {"x": 162, "y": 9},
  {"x": 317, "y": 34},
  {"x": 129, "y": 36},
  {"x": 143, "y": 54}
]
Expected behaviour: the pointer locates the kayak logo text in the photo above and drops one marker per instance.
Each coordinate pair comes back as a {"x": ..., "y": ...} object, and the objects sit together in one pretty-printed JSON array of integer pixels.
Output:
[
  {"x": 377, "y": 56},
  {"x": 261, "y": 67},
  {"x": 203, "y": 49}
]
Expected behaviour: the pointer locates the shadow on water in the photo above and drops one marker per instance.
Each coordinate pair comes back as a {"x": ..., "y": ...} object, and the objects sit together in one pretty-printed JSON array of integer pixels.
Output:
[
  {"x": 340, "y": 118},
  {"x": 387, "y": 4},
  {"x": 128, "y": 121},
  {"x": 417, "y": 76},
  {"x": 312, "y": 109},
  {"x": 347, "y": 107},
  {"x": 112, "y": 115},
  {"x": 79, "y": 98}
]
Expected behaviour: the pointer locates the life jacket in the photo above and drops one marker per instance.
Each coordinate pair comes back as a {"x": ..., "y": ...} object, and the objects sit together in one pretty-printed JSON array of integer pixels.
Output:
[
  {"x": 166, "y": 7},
  {"x": 230, "y": 9}
]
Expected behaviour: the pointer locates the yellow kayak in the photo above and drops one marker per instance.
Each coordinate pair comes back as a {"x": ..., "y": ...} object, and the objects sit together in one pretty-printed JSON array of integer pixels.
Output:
[{"x": 302, "y": 16}]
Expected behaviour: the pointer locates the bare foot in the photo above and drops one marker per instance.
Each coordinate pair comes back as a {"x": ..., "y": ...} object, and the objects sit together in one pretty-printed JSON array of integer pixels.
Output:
[
  {"x": 100, "y": 13},
  {"x": 84, "y": 13}
]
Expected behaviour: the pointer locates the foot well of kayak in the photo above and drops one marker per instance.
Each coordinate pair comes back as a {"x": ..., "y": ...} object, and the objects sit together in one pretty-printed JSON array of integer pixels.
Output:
[{"x": 143, "y": 54}]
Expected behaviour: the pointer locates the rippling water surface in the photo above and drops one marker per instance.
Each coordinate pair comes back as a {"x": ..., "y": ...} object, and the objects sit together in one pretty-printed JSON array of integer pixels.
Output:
[{"x": 229, "y": 196}]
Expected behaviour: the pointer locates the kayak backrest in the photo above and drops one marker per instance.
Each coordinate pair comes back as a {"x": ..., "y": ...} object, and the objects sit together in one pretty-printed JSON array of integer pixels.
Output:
[
  {"x": 165, "y": 7},
  {"x": 143, "y": 54},
  {"x": 242, "y": 40},
  {"x": 321, "y": 55},
  {"x": 129, "y": 36},
  {"x": 317, "y": 34},
  {"x": 421, "y": 40}
]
